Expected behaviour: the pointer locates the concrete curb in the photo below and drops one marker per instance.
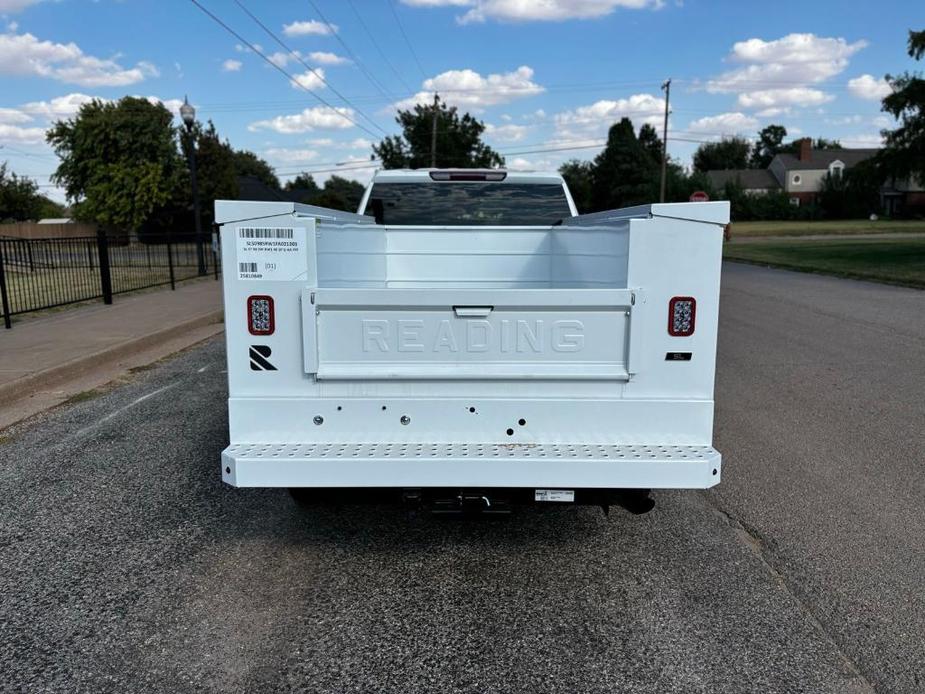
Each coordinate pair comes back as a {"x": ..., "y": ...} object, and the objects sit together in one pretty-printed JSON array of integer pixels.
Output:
[{"x": 24, "y": 387}]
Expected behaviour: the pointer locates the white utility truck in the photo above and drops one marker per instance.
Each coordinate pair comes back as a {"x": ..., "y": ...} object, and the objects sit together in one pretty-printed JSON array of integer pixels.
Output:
[{"x": 468, "y": 340}]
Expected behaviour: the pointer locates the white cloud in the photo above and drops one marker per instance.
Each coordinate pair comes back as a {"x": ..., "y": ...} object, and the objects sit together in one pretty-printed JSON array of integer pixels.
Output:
[
  {"x": 282, "y": 58},
  {"x": 325, "y": 58},
  {"x": 536, "y": 11},
  {"x": 320, "y": 141},
  {"x": 778, "y": 98},
  {"x": 595, "y": 119},
  {"x": 724, "y": 124},
  {"x": 507, "y": 132},
  {"x": 231, "y": 65},
  {"x": 869, "y": 87},
  {"x": 11, "y": 6},
  {"x": 883, "y": 121},
  {"x": 773, "y": 112},
  {"x": 780, "y": 73},
  {"x": 60, "y": 107},
  {"x": 309, "y": 119},
  {"x": 310, "y": 27},
  {"x": 13, "y": 116},
  {"x": 291, "y": 156},
  {"x": 360, "y": 143},
  {"x": 862, "y": 140},
  {"x": 172, "y": 105},
  {"x": 310, "y": 79},
  {"x": 25, "y": 55},
  {"x": 21, "y": 135},
  {"x": 467, "y": 88}
]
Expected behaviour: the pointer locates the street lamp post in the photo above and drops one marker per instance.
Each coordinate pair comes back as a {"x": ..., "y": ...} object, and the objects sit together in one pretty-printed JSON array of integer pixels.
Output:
[{"x": 188, "y": 114}]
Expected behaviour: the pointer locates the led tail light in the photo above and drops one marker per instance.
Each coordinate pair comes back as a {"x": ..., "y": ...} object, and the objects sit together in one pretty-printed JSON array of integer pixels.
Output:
[
  {"x": 260, "y": 319},
  {"x": 682, "y": 312}
]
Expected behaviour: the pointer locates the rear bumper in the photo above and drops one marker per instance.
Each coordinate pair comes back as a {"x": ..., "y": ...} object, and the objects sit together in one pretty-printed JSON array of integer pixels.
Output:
[{"x": 568, "y": 466}]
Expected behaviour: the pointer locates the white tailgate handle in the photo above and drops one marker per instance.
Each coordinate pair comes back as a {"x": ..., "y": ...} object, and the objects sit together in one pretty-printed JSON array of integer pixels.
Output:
[{"x": 472, "y": 311}]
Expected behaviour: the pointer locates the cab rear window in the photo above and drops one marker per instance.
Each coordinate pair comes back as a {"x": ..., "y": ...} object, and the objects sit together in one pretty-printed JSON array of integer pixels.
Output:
[{"x": 457, "y": 203}]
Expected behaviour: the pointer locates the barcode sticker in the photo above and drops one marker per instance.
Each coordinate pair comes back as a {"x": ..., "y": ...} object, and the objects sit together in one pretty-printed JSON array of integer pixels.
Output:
[
  {"x": 276, "y": 254},
  {"x": 265, "y": 233}
]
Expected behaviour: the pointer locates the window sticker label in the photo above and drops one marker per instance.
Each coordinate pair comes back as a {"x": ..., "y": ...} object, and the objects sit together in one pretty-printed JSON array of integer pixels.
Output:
[{"x": 271, "y": 253}]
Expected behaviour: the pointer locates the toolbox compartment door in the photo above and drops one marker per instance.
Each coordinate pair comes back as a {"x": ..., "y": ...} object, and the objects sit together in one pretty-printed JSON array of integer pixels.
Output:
[{"x": 469, "y": 334}]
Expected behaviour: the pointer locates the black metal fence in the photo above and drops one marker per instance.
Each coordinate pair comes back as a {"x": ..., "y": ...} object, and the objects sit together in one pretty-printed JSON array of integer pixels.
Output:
[{"x": 36, "y": 274}]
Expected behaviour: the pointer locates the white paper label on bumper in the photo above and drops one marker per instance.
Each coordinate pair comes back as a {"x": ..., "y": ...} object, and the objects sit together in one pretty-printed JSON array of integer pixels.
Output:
[
  {"x": 271, "y": 253},
  {"x": 555, "y": 495}
]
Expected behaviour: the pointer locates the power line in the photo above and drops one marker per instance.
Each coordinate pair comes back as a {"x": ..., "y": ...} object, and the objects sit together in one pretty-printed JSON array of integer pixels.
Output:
[
  {"x": 298, "y": 57},
  {"x": 359, "y": 63},
  {"x": 377, "y": 47},
  {"x": 292, "y": 79},
  {"x": 401, "y": 28}
]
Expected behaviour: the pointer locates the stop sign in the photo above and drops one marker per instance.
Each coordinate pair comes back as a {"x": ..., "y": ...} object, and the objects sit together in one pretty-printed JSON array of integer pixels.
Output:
[{"x": 699, "y": 196}]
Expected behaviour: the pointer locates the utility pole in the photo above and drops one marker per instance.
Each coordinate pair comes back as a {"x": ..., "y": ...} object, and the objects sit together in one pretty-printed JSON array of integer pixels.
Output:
[
  {"x": 666, "y": 87},
  {"x": 433, "y": 133}
]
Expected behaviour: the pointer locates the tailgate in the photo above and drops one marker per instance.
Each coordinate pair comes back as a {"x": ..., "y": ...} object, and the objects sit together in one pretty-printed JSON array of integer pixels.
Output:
[{"x": 500, "y": 334}]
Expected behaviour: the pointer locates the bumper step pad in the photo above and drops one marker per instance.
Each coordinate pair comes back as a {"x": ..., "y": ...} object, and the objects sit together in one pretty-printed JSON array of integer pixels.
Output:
[{"x": 566, "y": 465}]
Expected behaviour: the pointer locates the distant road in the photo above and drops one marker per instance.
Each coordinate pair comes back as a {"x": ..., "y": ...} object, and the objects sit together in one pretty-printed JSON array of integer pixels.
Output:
[{"x": 125, "y": 564}]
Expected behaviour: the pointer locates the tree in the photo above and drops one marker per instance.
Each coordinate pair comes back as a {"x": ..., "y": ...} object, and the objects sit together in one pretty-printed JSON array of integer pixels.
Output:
[
  {"x": 249, "y": 164},
  {"x": 904, "y": 153},
  {"x": 651, "y": 143},
  {"x": 303, "y": 187},
  {"x": 770, "y": 143},
  {"x": 215, "y": 168},
  {"x": 340, "y": 194},
  {"x": 728, "y": 153},
  {"x": 459, "y": 143},
  {"x": 119, "y": 160},
  {"x": 623, "y": 173},
  {"x": 20, "y": 199},
  {"x": 578, "y": 176}
]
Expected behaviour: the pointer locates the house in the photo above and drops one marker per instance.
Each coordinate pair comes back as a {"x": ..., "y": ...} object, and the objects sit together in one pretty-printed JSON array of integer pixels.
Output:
[
  {"x": 752, "y": 181},
  {"x": 801, "y": 177}
]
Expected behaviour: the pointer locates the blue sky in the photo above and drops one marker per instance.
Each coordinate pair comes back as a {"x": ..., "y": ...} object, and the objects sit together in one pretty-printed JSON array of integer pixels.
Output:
[{"x": 544, "y": 75}]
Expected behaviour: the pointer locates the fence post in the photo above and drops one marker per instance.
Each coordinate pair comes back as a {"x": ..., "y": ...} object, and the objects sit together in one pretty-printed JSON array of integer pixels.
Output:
[
  {"x": 102, "y": 245},
  {"x": 29, "y": 252},
  {"x": 173, "y": 283},
  {"x": 5, "y": 298}
]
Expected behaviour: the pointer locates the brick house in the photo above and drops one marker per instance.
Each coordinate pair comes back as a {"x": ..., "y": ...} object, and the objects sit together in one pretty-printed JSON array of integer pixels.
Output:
[{"x": 801, "y": 177}]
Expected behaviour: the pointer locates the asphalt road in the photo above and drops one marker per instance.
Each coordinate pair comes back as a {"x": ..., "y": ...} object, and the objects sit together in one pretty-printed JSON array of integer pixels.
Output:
[{"x": 125, "y": 564}]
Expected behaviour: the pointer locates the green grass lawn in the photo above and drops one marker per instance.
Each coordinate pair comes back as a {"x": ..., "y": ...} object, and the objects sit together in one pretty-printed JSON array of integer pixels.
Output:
[
  {"x": 893, "y": 260},
  {"x": 846, "y": 226}
]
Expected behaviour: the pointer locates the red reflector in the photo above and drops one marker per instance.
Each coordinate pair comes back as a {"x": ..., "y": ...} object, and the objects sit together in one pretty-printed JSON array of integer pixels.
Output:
[
  {"x": 682, "y": 312},
  {"x": 260, "y": 319}
]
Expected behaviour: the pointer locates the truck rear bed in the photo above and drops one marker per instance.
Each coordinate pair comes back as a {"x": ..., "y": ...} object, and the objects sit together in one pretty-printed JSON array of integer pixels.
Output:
[{"x": 471, "y": 357}]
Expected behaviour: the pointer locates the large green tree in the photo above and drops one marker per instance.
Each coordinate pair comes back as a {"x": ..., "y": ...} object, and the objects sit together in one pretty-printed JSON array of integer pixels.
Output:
[
  {"x": 904, "y": 153},
  {"x": 623, "y": 173},
  {"x": 728, "y": 153},
  {"x": 340, "y": 194},
  {"x": 20, "y": 199},
  {"x": 770, "y": 143},
  {"x": 578, "y": 177},
  {"x": 119, "y": 161},
  {"x": 459, "y": 141},
  {"x": 303, "y": 187},
  {"x": 651, "y": 142},
  {"x": 247, "y": 163},
  {"x": 215, "y": 168}
]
